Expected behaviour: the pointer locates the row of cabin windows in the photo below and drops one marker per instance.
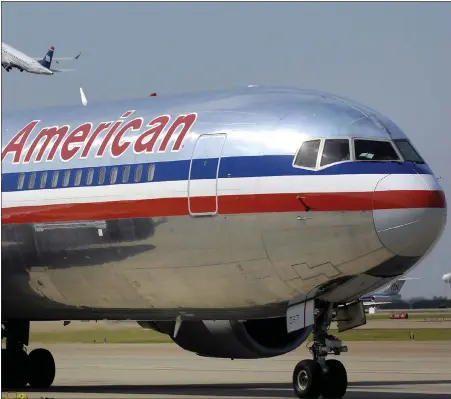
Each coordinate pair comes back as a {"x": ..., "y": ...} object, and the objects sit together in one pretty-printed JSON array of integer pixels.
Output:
[
  {"x": 339, "y": 150},
  {"x": 88, "y": 177}
]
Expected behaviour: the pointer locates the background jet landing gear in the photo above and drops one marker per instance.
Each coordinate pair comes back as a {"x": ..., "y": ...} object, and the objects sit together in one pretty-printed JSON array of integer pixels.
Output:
[
  {"x": 328, "y": 378},
  {"x": 19, "y": 367}
]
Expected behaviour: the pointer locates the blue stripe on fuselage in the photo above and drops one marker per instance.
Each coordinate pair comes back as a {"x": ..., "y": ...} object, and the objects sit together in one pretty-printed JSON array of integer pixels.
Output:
[{"x": 235, "y": 167}]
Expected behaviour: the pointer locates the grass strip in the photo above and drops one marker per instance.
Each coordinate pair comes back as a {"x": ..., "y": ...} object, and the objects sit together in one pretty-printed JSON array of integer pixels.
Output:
[
  {"x": 101, "y": 335},
  {"x": 412, "y": 316},
  {"x": 379, "y": 334},
  {"x": 132, "y": 335}
]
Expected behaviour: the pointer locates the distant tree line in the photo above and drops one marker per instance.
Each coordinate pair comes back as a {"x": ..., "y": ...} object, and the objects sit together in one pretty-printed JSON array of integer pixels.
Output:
[{"x": 437, "y": 302}]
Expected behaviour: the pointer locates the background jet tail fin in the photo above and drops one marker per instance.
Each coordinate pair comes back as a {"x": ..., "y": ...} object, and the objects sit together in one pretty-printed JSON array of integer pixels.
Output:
[
  {"x": 46, "y": 62},
  {"x": 395, "y": 287}
]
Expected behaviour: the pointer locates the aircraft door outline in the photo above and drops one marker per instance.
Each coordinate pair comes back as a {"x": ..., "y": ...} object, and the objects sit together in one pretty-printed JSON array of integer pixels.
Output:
[{"x": 203, "y": 174}]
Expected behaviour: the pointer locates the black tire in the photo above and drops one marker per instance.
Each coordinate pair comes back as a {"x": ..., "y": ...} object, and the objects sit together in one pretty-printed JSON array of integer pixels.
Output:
[
  {"x": 307, "y": 379},
  {"x": 14, "y": 369},
  {"x": 41, "y": 368},
  {"x": 335, "y": 381}
]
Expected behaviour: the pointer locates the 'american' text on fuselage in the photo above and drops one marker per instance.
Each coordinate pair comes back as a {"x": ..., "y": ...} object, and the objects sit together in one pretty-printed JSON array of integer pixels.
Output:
[{"x": 68, "y": 145}]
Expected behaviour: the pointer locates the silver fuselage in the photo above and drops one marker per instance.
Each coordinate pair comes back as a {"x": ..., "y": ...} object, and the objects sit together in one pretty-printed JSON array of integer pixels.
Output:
[{"x": 213, "y": 228}]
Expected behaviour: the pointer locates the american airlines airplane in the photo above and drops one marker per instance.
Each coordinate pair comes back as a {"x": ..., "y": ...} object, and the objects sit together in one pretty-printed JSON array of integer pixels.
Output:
[
  {"x": 13, "y": 58},
  {"x": 393, "y": 292},
  {"x": 237, "y": 222}
]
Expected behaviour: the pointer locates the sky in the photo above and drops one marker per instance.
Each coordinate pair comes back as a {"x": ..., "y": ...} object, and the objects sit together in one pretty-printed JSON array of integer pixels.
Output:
[{"x": 393, "y": 57}]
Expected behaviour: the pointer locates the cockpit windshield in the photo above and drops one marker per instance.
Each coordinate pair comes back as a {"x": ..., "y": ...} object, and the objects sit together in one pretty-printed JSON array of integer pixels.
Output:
[
  {"x": 335, "y": 150},
  {"x": 408, "y": 152},
  {"x": 374, "y": 150},
  {"x": 307, "y": 154},
  {"x": 319, "y": 153}
]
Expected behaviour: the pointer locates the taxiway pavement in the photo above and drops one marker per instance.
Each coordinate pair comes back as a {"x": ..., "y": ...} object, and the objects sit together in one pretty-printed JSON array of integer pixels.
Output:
[{"x": 376, "y": 370}]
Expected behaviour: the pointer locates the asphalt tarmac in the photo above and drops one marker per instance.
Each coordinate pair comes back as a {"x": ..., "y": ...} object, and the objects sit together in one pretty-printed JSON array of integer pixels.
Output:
[{"x": 376, "y": 370}]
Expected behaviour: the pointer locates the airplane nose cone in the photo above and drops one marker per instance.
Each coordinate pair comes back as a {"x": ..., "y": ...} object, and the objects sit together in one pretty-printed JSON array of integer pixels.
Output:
[{"x": 409, "y": 213}]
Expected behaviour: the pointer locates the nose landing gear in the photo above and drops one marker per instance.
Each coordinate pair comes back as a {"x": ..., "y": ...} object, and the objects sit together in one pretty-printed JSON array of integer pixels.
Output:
[{"x": 328, "y": 378}]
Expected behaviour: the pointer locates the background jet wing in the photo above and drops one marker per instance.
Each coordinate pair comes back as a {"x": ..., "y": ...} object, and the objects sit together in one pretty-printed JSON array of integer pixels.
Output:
[
  {"x": 371, "y": 303},
  {"x": 57, "y": 59}
]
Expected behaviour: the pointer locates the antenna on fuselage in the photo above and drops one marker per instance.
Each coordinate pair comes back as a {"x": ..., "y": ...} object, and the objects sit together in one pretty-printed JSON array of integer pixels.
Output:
[{"x": 84, "y": 100}]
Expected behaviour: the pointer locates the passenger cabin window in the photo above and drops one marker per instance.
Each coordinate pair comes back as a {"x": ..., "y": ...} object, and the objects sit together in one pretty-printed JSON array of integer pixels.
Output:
[
  {"x": 113, "y": 175},
  {"x": 78, "y": 177},
  {"x": 150, "y": 172},
  {"x": 307, "y": 154},
  {"x": 21, "y": 181},
  {"x": 43, "y": 179},
  {"x": 90, "y": 177},
  {"x": 66, "y": 178},
  {"x": 126, "y": 174},
  {"x": 32, "y": 181},
  {"x": 335, "y": 150},
  {"x": 408, "y": 152},
  {"x": 55, "y": 178},
  {"x": 102, "y": 175},
  {"x": 138, "y": 173},
  {"x": 374, "y": 150}
]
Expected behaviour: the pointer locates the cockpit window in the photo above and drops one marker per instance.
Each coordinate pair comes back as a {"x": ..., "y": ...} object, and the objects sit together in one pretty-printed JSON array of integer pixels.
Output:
[
  {"x": 374, "y": 150},
  {"x": 335, "y": 150},
  {"x": 307, "y": 154},
  {"x": 408, "y": 152}
]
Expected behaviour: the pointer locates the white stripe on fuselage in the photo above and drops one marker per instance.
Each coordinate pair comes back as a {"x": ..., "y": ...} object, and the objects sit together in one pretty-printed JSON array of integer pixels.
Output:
[{"x": 226, "y": 186}]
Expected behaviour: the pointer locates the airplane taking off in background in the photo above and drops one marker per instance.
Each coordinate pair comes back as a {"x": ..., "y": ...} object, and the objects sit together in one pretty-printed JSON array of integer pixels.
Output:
[
  {"x": 13, "y": 58},
  {"x": 237, "y": 222},
  {"x": 392, "y": 293}
]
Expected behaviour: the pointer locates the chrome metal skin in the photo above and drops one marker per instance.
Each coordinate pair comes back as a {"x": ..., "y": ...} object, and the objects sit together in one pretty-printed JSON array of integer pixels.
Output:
[
  {"x": 410, "y": 232},
  {"x": 220, "y": 266}
]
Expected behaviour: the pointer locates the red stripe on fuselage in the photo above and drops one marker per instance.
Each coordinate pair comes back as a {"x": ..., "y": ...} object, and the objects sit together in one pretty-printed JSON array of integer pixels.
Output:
[
  {"x": 409, "y": 199},
  {"x": 230, "y": 204}
]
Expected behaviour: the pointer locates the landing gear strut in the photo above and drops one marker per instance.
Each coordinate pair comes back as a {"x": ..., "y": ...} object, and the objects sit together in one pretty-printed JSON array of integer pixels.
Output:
[
  {"x": 20, "y": 368},
  {"x": 328, "y": 378}
]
